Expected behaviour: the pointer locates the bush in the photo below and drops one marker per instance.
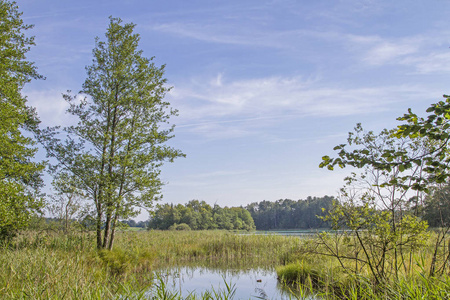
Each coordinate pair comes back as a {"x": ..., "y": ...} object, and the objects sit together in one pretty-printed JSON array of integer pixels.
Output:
[{"x": 182, "y": 226}]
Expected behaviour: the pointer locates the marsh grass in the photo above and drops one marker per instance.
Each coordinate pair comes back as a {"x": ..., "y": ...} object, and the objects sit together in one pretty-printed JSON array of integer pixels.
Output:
[
  {"x": 56, "y": 266},
  {"x": 214, "y": 248},
  {"x": 324, "y": 276},
  {"x": 52, "y": 265}
]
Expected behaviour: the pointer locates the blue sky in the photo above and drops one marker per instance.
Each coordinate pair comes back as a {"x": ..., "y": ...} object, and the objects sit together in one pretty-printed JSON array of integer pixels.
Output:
[{"x": 264, "y": 88}]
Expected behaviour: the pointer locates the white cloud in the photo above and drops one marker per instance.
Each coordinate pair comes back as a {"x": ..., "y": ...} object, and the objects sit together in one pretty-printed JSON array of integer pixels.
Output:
[
  {"x": 237, "y": 34},
  {"x": 273, "y": 96},
  {"x": 376, "y": 50},
  {"x": 242, "y": 108},
  {"x": 50, "y": 106},
  {"x": 430, "y": 63},
  {"x": 418, "y": 52},
  {"x": 388, "y": 51}
]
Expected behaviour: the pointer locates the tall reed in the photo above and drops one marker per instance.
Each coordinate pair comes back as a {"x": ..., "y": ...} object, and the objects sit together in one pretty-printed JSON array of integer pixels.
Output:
[{"x": 50, "y": 265}]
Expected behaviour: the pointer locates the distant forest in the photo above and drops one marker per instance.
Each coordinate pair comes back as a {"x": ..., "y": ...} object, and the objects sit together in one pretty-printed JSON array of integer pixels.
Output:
[
  {"x": 264, "y": 215},
  {"x": 290, "y": 214},
  {"x": 198, "y": 215}
]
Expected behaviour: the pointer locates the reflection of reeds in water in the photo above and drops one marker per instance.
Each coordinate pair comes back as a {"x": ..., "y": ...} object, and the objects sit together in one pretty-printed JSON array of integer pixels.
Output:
[{"x": 260, "y": 293}]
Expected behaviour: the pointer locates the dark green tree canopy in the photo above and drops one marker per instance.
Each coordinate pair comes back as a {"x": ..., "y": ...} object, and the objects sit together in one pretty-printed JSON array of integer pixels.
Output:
[
  {"x": 290, "y": 214},
  {"x": 19, "y": 175},
  {"x": 199, "y": 215}
]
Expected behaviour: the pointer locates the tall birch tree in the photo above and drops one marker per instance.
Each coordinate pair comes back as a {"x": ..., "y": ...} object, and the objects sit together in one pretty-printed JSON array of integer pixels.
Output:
[{"x": 116, "y": 150}]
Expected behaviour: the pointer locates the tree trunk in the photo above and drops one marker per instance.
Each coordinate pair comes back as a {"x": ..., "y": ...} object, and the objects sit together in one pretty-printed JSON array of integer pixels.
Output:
[
  {"x": 110, "y": 201},
  {"x": 113, "y": 231},
  {"x": 99, "y": 227},
  {"x": 107, "y": 227}
]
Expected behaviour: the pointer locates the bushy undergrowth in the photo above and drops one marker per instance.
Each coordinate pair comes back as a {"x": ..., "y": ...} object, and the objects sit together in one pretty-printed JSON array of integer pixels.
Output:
[{"x": 313, "y": 273}]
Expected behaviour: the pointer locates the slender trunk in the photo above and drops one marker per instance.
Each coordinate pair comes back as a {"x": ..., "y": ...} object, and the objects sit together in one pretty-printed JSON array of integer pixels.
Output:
[
  {"x": 120, "y": 193},
  {"x": 107, "y": 228},
  {"x": 99, "y": 226},
  {"x": 434, "y": 257},
  {"x": 113, "y": 231},
  {"x": 66, "y": 224},
  {"x": 394, "y": 230},
  {"x": 369, "y": 259},
  {"x": 100, "y": 194},
  {"x": 110, "y": 200},
  {"x": 444, "y": 264}
]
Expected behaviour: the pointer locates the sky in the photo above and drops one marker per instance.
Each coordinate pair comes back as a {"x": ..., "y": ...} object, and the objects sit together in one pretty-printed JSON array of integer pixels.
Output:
[{"x": 264, "y": 89}]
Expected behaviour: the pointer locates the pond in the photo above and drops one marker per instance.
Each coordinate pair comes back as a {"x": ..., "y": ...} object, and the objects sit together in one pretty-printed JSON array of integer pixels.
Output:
[{"x": 248, "y": 284}]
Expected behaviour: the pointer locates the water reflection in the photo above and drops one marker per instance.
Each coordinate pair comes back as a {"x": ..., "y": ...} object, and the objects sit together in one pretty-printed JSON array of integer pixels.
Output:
[{"x": 249, "y": 284}]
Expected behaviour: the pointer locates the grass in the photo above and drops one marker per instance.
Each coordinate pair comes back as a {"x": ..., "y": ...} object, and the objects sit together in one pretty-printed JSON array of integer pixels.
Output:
[
  {"x": 325, "y": 277},
  {"x": 41, "y": 265},
  {"x": 50, "y": 265}
]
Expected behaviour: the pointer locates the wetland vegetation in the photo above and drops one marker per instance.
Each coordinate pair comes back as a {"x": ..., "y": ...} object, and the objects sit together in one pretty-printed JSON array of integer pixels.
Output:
[{"x": 54, "y": 265}]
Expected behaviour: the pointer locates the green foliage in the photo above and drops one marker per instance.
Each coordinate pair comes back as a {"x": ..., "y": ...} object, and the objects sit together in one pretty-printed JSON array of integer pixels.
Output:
[
  {"x": 436, "y": 210},
  {"x": 424, "y": 145},
  {"x": 290, "y": 214},
  {"x": 182, "y": 226},
  {"x": 375, "y": 207},
  {"x": 19, "y": 176},
  {"x": 435, "y": 129},
  {"x": 66, "y": 203},
  {"x": 199, "y": 215},
  {"x": 411, "y": 160},
  {"x": 115, "y": 152}
]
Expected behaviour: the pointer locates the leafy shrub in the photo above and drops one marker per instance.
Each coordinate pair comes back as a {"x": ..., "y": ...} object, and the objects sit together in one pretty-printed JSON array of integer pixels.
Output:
[{"x": 182, "y": 226}]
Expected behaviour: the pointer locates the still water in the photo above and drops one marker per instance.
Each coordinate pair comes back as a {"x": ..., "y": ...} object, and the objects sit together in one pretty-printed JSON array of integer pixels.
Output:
[{"x": 249, "y": 284}]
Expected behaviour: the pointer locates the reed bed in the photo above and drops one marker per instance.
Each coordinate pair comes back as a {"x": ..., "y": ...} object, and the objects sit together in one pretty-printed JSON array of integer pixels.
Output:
[
  {"x": 220, "y": 248},
  {"x": 51, "y": 265},
  {"x": 323, "y": 276}
]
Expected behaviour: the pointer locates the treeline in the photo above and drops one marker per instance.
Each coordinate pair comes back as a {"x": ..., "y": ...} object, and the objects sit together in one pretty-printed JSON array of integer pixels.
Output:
[
  {"x": 290, "y": 214},
  {"x": 133, "y": 223},
  {"x": 198, "y": 215}
]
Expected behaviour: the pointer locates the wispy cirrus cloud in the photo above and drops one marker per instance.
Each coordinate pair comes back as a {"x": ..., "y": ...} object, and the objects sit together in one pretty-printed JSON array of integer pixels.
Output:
[
  {"x": 423, "y": 53},
  {"x": 235, "y": 34},
  {"x": 417, "y": 52},
  {"x": 219, "y": 108},
  {"x": 430, "y": 63},
  {"x": 263, "y": 97}
]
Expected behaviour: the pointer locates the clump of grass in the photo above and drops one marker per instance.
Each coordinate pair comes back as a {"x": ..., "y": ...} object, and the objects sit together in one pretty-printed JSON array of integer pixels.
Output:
[
  {"x": 301, "y": 272},
  {"x": 120, "y": 261}
]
